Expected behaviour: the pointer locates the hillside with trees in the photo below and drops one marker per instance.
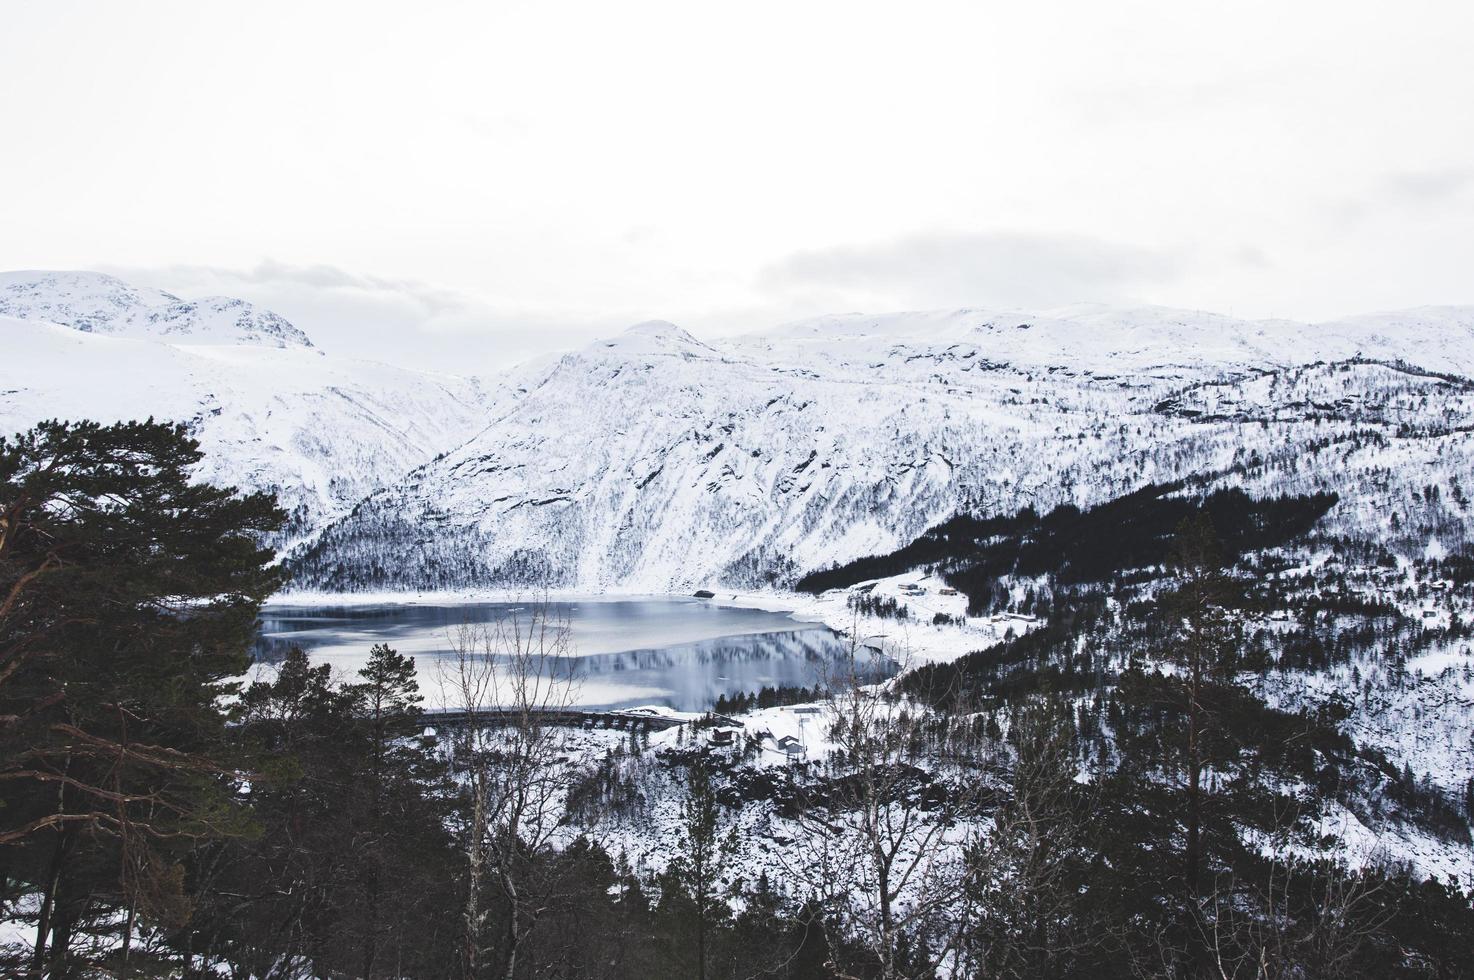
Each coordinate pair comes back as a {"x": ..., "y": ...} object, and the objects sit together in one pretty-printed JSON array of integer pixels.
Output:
[{"x": 1117, "y": 793}]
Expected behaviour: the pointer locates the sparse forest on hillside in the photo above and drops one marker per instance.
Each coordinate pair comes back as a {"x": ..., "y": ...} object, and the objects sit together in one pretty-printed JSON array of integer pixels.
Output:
[{"x": 1123, "y": 791}]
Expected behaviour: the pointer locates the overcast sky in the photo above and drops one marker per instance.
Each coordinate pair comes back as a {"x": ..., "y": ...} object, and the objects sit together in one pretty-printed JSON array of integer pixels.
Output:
[{"x": 462, "y": 185}]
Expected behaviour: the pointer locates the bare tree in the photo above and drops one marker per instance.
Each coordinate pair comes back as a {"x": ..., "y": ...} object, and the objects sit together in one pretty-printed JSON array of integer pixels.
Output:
[
  {"x": 511, "y": 683},
  {"x": 886, "y": 824},
  {"x": 1303, "y": 917}
]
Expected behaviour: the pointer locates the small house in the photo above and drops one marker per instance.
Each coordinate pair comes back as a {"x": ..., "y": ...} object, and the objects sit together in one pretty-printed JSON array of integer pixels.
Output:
[{"x": 791, "y": 747}]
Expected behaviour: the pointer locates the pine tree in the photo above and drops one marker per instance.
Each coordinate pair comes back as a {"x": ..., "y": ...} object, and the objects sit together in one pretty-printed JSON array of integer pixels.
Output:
[
  {"x": 353, "y": 866},
  {"x": 704, "y": 850},
  {"x": 388, "y": 702},
  {"x": 128, "y": 599},
  {"x": 1204, "y": 645}
]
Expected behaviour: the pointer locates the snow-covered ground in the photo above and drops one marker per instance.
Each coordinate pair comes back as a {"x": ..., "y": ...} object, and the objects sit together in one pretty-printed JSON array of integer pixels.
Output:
[
  {"x": 657, "y": 462},
  {"x": 94, "y": 303},
  {"x": 912, "y": 642},
  {"x": 768, "y": 842}
]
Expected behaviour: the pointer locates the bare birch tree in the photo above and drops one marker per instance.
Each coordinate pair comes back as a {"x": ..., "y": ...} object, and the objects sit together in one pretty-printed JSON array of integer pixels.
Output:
[
  {"x": 885, "y": 826},
  {"x": 1304, "y": 917},
  {"x": 511, "y": 680}
]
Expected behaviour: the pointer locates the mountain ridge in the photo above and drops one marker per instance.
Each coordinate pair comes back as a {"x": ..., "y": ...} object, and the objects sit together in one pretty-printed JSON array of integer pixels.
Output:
[
  {"x": 655, "y": 460},
  {"x": 318, "y": 430},
  {"x": 749, "y": 461},
  {"x": 93, "y": 302}
]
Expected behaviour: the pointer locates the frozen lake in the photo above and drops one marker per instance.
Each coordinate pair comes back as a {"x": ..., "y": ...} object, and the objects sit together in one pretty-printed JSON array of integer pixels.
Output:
[{"x": 681, "y": 653}]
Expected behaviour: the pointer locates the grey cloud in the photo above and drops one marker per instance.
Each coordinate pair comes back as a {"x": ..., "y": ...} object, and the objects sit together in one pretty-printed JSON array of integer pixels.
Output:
[
  {"x": 1167, "y": 100},
  {"x": 1429, "y": 187},
  {"x": 1410, "y": 191},
  {"x": 985, "y": 269},
  {"x": 283, "y": 276},
  {"x": 1250, "y": 256}
]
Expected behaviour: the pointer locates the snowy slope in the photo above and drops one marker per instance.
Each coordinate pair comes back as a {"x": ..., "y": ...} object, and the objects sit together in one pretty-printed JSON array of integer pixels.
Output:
[
  {"x": 655, "y": 461},
  {"x": 1152, "y": 340},
  {"x": 270, "y": 411}
]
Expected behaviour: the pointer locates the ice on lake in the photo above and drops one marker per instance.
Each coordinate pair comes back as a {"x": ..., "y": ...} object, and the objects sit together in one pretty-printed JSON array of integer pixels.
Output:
[{"x": 680, "y": 653}]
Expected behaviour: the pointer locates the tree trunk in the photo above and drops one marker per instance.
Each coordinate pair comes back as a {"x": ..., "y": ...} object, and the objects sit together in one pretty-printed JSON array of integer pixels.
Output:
[
  {"x": 472, "y": 913},
  {"x": 371, "y": 937},
  {"x": 48, "y": 903},
  {"x": 64, "y": 917},
  {"x": 701, "y": 942},
  {"x": 128, "y": 934},
  {"x": 1197, "y": 941},
  {"x": 887, "y": 921},
  {"x": 376, "y": 822},
  {"x": 514, "y": 932},
  {"x": 1194, "y": 799}
]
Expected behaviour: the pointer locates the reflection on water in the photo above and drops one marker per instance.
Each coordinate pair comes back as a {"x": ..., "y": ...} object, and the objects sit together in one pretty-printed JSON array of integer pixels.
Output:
[{"x": 682, "y": 653}]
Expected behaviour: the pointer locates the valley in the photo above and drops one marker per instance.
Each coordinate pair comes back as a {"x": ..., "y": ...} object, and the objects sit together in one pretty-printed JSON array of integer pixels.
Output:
[{"x": 962, "y": 533}]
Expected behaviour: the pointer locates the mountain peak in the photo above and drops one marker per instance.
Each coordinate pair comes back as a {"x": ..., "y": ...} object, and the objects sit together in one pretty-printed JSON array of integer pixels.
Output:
[
  {"x": 652, "y": 337},
  {"x": 659, "y": 328},
  {"x": 94, "y": 302}
]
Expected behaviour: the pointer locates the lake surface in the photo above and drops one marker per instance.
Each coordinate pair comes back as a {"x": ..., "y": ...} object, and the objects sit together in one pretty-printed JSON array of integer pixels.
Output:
[{"x": 619, "y": 653}]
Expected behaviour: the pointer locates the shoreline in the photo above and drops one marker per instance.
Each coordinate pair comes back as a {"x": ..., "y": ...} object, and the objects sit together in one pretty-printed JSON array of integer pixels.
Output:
[
  {"x": 775, "y": 602},
  {"x": 936, "y": 630},
  {"x": 428, "y": 597}
]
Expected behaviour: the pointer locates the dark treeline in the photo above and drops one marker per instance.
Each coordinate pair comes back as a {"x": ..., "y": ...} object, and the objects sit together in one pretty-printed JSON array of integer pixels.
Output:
[
  {"x": 1095, "y": 647},
  {"x": 1274, "y": 771},
  {"x": 1073, "y": 546},
  {"x": 870, "y": 604},
  {"x": 766, "y": 697},
  {"x": 128, "y": 595}
]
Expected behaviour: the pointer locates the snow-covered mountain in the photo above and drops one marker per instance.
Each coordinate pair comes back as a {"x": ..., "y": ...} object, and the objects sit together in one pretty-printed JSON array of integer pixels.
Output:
[
  {"x": 1154, "y": 341},
  {"x": 96, "y": 303},
  {"x": 656, "y": 461},
  {"x": 271, "y": 411}
]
